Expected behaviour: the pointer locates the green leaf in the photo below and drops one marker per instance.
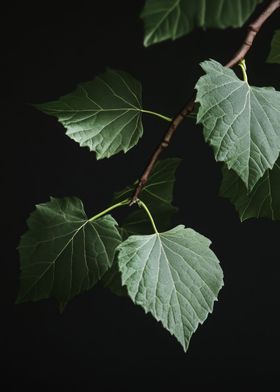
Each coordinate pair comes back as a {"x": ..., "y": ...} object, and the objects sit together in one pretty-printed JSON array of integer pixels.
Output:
[
  {"x": 240, "y": 122},
  {"x": 103, "y": 115},
  {"x": 171, "y": 19},
  {"x": 112, "y": 278},
  {"x": 63, "y": 253},
  {"x": 174, "y": 275},
  {"x": 262, "y": 202},
  {"x": 157, "y": 194},
  {"x": 274, "y": 55}
]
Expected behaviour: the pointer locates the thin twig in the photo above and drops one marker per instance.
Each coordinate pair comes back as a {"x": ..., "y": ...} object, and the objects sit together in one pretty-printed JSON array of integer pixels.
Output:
[{"x": 253, "y": 30}]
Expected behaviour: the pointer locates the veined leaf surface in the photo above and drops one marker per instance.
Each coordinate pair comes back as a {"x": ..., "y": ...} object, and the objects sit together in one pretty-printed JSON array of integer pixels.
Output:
[
  {"x": 103, "y": 115},
  {"x": 63, "y": 253},
  {"x": 241, "y": 122},
  {"x": 174, "y": 275},
  {"x": 264, "y": 199},
  {"x": 171, "y": 19}
]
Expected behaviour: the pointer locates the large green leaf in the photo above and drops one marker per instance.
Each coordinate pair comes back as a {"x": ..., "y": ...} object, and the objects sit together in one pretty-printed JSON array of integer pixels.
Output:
[
  {"x": 64, "y": 253},
  {"x": 274, "y": 55},
  {"x": 171, "y": 19},
  {"x": 240, "y": 122},
  {"x": 103, "y": 115},
  {"x": 174, "y": 275},
  {"x": 264, "y": 199},
  {"x": 157, "y": 194}
]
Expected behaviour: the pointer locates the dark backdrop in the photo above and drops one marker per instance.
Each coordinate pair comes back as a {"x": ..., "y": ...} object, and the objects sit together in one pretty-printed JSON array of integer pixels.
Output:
[{"x": 103, "y": 342}]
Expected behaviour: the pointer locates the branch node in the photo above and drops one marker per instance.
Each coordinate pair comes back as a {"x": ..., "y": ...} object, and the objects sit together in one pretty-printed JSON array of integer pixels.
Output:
[
  {"x": 133, "y": 201},
  {"x": 249, "y": 44},
  {"x": 164, "y": 144},
  {"x": 253, "y": 29}
]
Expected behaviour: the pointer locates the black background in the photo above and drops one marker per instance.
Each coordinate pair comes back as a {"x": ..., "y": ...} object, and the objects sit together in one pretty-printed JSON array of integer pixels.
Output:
[{"x": 103, "y": 342}]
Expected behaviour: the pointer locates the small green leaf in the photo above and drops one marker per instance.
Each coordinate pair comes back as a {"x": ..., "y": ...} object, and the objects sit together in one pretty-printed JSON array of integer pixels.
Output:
[
  {"x": 112, "y": 278},
  {"x": 103, "y": 115},
  {"x": 240, "y": 122},
  {"x": 274, "y": 55},
  {"x": 63, "y": 253},
  {"x": 157, "y": 194},
  {"x": 174, "y": 275},
  {"x": 264, "y": 199},
  {"x": 171, "y": 19}
]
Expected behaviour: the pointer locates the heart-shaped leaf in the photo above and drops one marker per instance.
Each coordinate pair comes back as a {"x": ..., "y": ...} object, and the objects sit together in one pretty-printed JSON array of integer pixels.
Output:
[
  {"x": 103, "y": 115},
  {"x": 240, "y": 122},
  {"x": 174, "y": 275},
  {"x": 63, "y": 253}
]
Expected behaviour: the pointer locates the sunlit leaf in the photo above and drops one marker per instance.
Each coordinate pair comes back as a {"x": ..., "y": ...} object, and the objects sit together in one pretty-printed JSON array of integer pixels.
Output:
[
  {"x": 174, "y": 275},
  {"x": 240, "y": 122},
  {"x": 103, "y": 115}
]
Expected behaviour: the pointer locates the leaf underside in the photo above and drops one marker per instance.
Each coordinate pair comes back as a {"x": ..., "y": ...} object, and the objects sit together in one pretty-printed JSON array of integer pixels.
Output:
[
  {"x": 157, "y": 194},
  {"x": 274, "y": 55},
  {"x": 264, "y": 199},
  {"x": 103, "y": 115},
  {"x": 174, "y": 275},
  {"x": 240, "y": 122},
  {"x": 171, "y": 19},
  {"x": 62, "y": 253}
]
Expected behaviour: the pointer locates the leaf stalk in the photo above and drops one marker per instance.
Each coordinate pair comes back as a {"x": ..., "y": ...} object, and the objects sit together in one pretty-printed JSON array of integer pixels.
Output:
[
  {"x": 168, "y": 119},
  {"x": 120, "y": 204},
  {"x": 142, "y": 204},
  {"x": 242, "y": 65}
]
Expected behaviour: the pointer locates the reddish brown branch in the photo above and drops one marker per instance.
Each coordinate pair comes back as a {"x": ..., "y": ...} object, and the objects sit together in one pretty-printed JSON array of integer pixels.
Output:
[{"x": 253, "y": 30}]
